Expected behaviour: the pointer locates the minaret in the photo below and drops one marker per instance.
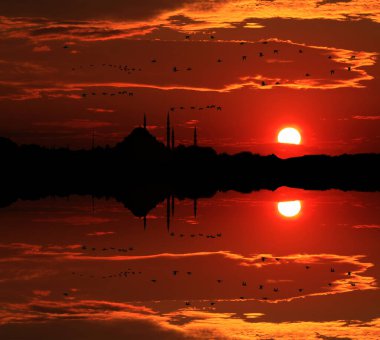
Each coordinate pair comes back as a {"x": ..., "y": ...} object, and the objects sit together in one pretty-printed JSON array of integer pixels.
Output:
[
  {"x": 173, "y": 140},
  {"x": 195, "y": 136},
  {"x": 144, "y": 121},
  {"x": 168, "y": 131},
  {"x": 168, "y": 213}
]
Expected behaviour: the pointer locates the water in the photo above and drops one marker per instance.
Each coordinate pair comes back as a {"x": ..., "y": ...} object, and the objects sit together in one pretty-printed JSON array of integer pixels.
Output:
[{"x": 76, "y": 268}]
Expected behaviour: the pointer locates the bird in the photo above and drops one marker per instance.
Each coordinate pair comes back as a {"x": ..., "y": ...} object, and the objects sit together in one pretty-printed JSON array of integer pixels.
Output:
[
  {"x": 244, "y": 57},
  {"x": 300, "y": 290},
  {"x": 307, "y": 74},
  {"x": 329, "y": 284},
  {"x": 277, "y": 83},
  {"x": 66, "y": 294},
  {"x": 329, "y": 57},
  {"x": 219, "y": 108},
  {"x": 275, "y": 290},
  {"x": 187, "y": 37},
  {"x": 175, "y": 69},
  {"x": 263, "y": 258},
  {"x": 263, "y": 84},
  {"x": 65, "y": 46},
  {"x": 241, "y": 297},
  {"x": 219, "y": 281},
  {"x": 332, "y": 72},
  {"x": 212, "y": 303},
  {"x": 277, "y": 259},
  {"x": 261, "y": 54},
  {"x": 188, "y": 273},
  {"x": 153, "y": 60},
  {"x": 187, "y": 303},
  {"x": 307, "y": 267},
  {"x": 219, "y": 60},
  {"x": 353, "y": 284},
  {"x": 300, "y": 51},
  {"x": 189, "y": 69},
  {"x": 332, "y": 270},
  {"x": 154, "y": 280},
  {"x": 212, "y": 37},
  {"x": 261, "y": 287},
  {"x": 175, "y": 272},
  {"x": 244, "y": 284},
  {"x": 275, "y": 51},
  {"x": 242, "y": 43}
]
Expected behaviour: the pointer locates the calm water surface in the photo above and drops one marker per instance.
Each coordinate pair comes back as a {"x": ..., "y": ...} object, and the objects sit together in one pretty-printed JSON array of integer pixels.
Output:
[{"x": 239, "y": 269}]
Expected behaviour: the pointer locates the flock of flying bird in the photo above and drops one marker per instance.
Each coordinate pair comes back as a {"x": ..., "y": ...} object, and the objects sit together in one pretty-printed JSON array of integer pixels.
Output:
[
  {"x": 130, "y": 272},
  {"x": 130, "y": 70}
]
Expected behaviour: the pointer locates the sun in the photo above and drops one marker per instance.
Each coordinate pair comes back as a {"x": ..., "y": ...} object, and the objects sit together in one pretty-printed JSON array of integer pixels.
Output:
[
  {"x": 289, "y": 208},
  {"x": 289, "y": 135}
]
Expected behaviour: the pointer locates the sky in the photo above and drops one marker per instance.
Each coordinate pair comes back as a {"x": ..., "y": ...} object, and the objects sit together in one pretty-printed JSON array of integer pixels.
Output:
[{"x": 70, "y": 68}]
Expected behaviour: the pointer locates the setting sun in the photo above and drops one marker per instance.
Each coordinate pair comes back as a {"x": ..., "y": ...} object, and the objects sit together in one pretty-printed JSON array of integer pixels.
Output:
[
  {"x": 289, "y": 208},
  {"x": 289, "y": 136}
]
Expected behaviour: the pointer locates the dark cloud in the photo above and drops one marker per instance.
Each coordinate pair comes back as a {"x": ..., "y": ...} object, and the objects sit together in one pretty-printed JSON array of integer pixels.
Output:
[
  {"x": 182, "y": 20},
  {"x": 326, "y": 2},
  {"x": 94, "y": 9}
]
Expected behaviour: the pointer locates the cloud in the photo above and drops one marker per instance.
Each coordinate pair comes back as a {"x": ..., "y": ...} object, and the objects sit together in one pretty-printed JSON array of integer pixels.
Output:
[
  {"x": 75, "y": 124},
  {"x": 100, "y": 110},
  {"x": 366, "y": 226},
  {"x": 43, "y": 48},
  {"x": 362, "y": 117},
  {"x": 328, "y": 2},
  {"x": 101, "y": 233}
]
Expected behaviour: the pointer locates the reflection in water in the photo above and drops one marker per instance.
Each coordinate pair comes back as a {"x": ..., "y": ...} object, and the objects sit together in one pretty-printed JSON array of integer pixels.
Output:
[
  {"x": 289, "y": 208},
  {"x": 233, "y": 272}
]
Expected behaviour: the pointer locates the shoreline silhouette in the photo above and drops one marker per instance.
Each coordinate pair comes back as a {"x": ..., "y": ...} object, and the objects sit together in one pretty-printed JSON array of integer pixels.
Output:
[{"x": 141, "y": 171}]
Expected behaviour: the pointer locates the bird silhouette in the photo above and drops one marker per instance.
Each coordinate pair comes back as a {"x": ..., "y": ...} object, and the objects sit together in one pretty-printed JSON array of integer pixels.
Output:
[
  {"x": 154, "y": 280},
  {"x": 307, "y": 267},
  {"x": 332, "y": 270},
  {"x": 261, "y": 54},
  {"x": 212, "y": 37},
  {"x": 332, "y": 72},
  {"x": 244, "y": 284},
  {"x": 263, "y": 83},
  {"x": 300, "y": 51},
  {"x": 175, "y": 69},
  {"x": 187, "y": 303},
  {"x": 300, "y": 290},
  {"x": 307, "y": 74},
  {"x": 187, "y": 37},
  {"x": 275, "y": 51},
  {"x": 261, "y": 287},
  {"x": 219, "y": 60},
  {"x": 219, "y": 281},
  {"x": 244, "y": 57},
  {"x": 275, "y": 290},
  {"x": 175, "y": 272}
]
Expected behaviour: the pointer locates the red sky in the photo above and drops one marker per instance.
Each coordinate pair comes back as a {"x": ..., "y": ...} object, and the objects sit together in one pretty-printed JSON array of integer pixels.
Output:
[{"x": 42, "y": 83}]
